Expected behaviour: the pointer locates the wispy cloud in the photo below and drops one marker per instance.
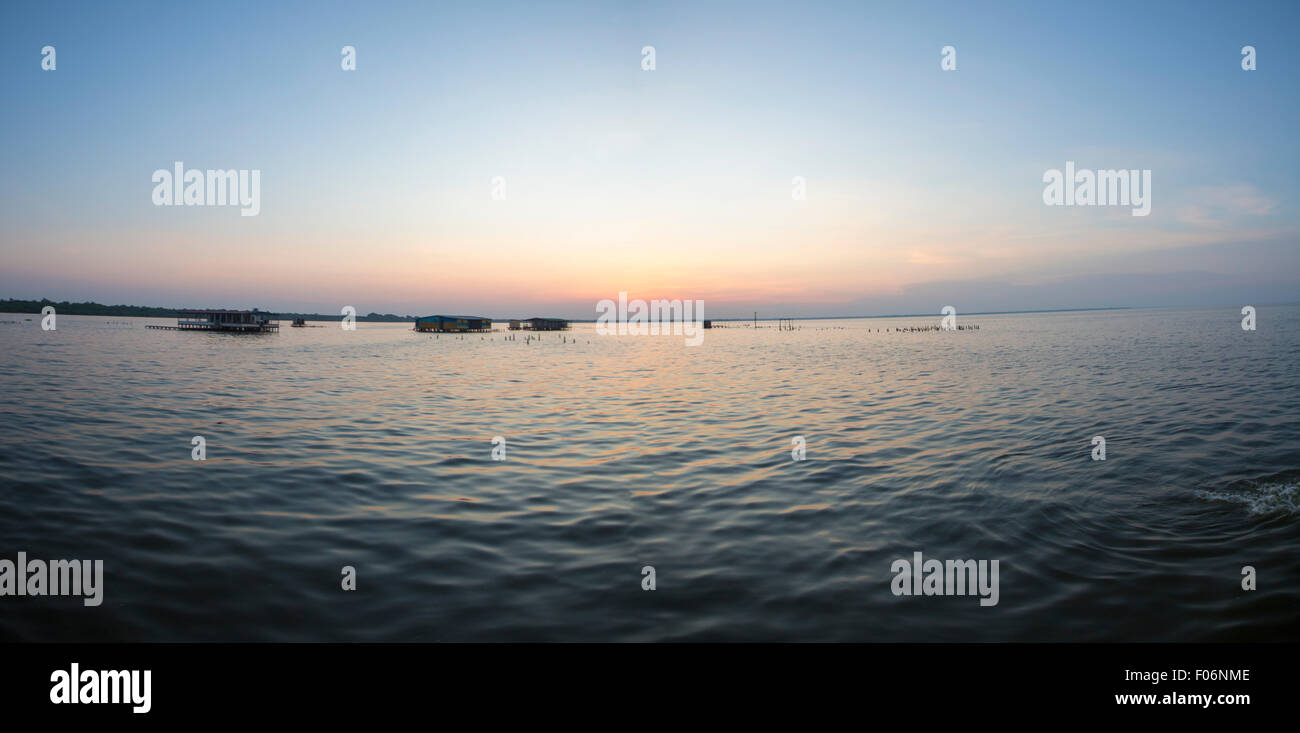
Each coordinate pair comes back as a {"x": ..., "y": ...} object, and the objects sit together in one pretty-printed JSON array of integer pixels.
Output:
[{"x": 1221, "y": 206}]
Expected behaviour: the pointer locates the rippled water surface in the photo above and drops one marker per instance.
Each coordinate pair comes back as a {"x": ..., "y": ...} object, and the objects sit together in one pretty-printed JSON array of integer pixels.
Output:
[{"x": 373, "y": 449}]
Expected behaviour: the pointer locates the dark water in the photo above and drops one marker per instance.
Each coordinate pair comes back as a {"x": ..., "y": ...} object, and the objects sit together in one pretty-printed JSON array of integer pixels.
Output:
[{"x": 373, "y": 449}]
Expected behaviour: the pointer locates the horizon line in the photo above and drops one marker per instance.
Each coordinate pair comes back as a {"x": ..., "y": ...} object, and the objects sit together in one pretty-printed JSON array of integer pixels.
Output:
[{"x": 730, "y": 319}]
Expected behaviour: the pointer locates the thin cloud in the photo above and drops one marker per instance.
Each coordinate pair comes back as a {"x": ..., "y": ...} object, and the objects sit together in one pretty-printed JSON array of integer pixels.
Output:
[{"x": 1221, "y": 206}]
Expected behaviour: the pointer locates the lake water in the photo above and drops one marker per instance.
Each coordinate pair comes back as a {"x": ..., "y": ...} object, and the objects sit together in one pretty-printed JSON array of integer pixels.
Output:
[{"x": 373, "y": 449}]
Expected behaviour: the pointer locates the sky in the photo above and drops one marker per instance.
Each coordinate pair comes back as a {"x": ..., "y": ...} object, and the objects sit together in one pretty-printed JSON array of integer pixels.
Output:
[{"x": 923, "y": 186}]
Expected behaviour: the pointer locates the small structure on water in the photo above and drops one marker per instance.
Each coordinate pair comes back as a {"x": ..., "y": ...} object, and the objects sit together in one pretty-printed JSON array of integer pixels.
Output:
[
  {"x": 453, "y": 324},
  {"x": 231, "y": 321},
  {"x": 299, "y": 323},
  {"x": 539, "y": 324}
]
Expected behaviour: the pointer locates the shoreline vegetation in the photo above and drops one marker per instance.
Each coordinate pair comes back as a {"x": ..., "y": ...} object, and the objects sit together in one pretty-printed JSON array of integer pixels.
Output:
[{"x": 88, "y": 308}]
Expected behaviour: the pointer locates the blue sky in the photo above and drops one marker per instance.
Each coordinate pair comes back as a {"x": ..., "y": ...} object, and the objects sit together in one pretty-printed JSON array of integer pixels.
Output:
[{"x": 921, "y": 183}]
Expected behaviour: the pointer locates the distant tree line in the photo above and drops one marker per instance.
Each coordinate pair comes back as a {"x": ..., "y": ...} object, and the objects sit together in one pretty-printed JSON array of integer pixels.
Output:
[{"x": 13, "y": 305}]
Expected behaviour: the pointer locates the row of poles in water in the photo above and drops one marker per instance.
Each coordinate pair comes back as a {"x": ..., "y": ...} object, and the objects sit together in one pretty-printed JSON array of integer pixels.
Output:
[{"x": 783, "y": 325}]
